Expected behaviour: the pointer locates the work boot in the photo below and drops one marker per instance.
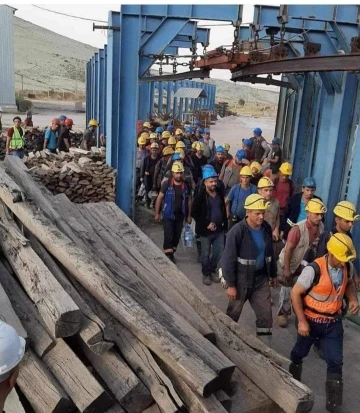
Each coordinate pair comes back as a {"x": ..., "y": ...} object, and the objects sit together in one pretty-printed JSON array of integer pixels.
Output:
[
  {"x": 206, "y": 279},
  {"x": 266, "y": 339},
  {"x": 283, "y": 320},
  {"x": 215, "y": 278},
  {"x": 171, "y": 257},
  {"x": 334, "y": 393},
  {"x": 296, "y": 370}
]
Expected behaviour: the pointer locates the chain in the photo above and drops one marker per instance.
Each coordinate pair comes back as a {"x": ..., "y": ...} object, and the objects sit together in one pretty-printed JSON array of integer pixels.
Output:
[
  {"x": 282, "y": 33},
  {"x": 272, "y": 39},
  {"x": 175, "y": 64},
  {"x": 256, "y": 39},
  {"x": 160, "y": 67}
]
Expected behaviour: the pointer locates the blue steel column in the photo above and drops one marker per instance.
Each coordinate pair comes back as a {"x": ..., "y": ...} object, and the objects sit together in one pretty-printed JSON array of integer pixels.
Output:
[
  {"x": 101, "y": 102},
  {"x": 127, "y": 123},
  {"x": 144, "y": 100},
  {"x": 88, "y": 91},
  {"x": 169, "y": 97},
  {"x": 151, "y": 101},
  {"x": 112, "y": 90},
  {"x": 93, "y": 95},
  {"x": 105, "y": 88},
  {"x": 160, "y": 101},
  {"x": 96, "y": 93}
]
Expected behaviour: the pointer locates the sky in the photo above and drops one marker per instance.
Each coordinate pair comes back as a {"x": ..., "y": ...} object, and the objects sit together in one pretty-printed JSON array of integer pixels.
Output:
[{"x": 82, "y": 30}]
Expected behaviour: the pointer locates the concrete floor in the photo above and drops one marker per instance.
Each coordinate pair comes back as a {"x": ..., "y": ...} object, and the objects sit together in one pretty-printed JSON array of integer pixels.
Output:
[{"x": 314, "y": 373}]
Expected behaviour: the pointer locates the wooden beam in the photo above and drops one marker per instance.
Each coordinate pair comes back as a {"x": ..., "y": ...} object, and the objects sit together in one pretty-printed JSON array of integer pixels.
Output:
[
  {"x": 129, "y": 391},
  {"x": 78, "y": 382},
  {"x": 13, "y": 404},
  {"x": 41, "y": 389},
  {"x": 59, "y": 312},
  {"x": 113, "y": 297},
  {"x": 40, "y": 339},
  {"x": 92, "y": 328}
]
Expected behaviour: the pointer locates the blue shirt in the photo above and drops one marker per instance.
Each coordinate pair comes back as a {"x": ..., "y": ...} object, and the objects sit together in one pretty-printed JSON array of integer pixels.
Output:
[
  {"x": 216, "y": 214},
  {"x": 50, "y": 136},
  {"x": 302, "y": 214},
  {"x": 258, "y": 237},
  {"x": 336, "y": 275},
  {"x": 237, "y": 196}
]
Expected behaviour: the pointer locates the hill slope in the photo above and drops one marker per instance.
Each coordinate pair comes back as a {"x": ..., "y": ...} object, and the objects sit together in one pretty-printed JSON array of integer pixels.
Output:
[{"x": 49, "y": 61}]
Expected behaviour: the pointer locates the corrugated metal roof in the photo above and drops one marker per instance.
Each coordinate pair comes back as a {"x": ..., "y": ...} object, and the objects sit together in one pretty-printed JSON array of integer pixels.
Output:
[{"x": 190, "y": 93}]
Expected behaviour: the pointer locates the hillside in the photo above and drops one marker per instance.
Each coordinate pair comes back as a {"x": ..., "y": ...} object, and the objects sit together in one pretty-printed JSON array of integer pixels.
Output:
[{"x": 46, "y": 61}]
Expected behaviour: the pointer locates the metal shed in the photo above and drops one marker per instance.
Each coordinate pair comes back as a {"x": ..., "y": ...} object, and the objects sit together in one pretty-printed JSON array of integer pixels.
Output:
[
  {"x": 7, "y": 80},
  {"x": 189, "y": 93}
]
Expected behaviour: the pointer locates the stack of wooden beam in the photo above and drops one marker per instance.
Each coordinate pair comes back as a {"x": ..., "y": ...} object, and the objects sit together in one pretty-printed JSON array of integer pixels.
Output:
[
  {"x": 82, "y": 176},
  {"x": 106, "y": 297}
]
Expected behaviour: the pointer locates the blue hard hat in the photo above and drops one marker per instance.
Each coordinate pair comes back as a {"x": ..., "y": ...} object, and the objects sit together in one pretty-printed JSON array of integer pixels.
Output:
[
  {"x": 247, "y": 142},
  {"x": 241, "y": 154},
  {"x": 170, "y": 128},
  {"x": 276, "y": 141},
  {"x": 62, "y": 117},
  {"x": 208, "y": 172},
  {"x": 309, "y": 182},
  {"x": 197, "y": 122},
  {"x": 257, "y": 131},
  {"x": 176, "y": 157},
  {"x": 188, "y": 129},
  {"x": 199, "y": 130},
  {"x": 220, "y": 149},
  {"x": 206, "y": 130},
  {"x": 159, "y": 129}
]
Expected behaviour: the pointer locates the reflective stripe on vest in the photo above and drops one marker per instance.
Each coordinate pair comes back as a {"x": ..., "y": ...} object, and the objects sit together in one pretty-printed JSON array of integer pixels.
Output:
[
  {"x": 323, "y": 298},
  {"x": 246, "y": 262},
  {"x": 16, "y": 141}
]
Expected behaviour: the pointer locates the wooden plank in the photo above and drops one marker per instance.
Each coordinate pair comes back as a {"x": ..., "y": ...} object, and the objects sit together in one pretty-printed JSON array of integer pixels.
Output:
[
  {"x": 8, "y": 314},
  {"x": 252, "y": 357},
  {"x": 137, "y": 356},
  {"x": 59, "y": 312},
  {"x": 39, "y": 338},
  {"x": 224, "y": 400},
  {"x": 13, "y": 404},
  {"x": 144, "y": 270},
  {"x": 41, "y": 389},
  {"x": 78, "y": 382},
  {"x": 92, "y": 328},
  {"x": 163, "y": 313},
  {"x": 111, "y": 295},
  {"x": 116, "y": 408},
  {"x": 129, "y": 391}
]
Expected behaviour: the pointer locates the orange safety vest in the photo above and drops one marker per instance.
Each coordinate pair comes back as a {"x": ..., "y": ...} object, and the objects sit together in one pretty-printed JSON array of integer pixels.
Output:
[{"x": 323, "y": 300}]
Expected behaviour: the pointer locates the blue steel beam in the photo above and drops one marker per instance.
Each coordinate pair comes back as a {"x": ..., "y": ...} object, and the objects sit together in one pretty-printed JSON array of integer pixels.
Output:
[
  {"x": 89, "y": 88},
  {"x": 112, "y": 90},
  {"x": 105, "y": 89},
  {"x": 101, "y": 91}
]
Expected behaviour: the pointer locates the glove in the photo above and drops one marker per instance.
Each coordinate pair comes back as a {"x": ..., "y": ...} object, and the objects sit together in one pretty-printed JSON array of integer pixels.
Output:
[{"x": 222, "y": 279}]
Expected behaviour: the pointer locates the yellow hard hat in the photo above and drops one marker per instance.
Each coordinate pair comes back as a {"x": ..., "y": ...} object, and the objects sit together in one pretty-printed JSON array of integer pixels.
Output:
[
  {"x": 286, "y": 168},
  {"x": 93, "y": 122},
  {"x": 226, "y": 146},
  {"x": 145, "y": 135},
  {"x": 165, "y": 135},
  {"x": 256, "y": 201},
  {"x": 265, "y": 182},
  {"x": 168, "y": 150},
  {"x": 181, "y": 152},
  {"x": 255, "y": 165},
  {"x": 142, "y": 141},
  {"x": 341, "y": 247},
  {"x": 245, "y": 171},
  {"x": 198, "y": 146},
  {"x": 152, "y": 136},
  {"x": 316, "y": 206},
  {"x": 346, "y": 210},
  {"x": 194, "y": 145},
  {"x": 178, "y": 132},
  {"x": 154, "y": 145},
  {"x": 172, "y": 141},
  {"x": 177, "y": 167},
  {"x": 147, "y": 125},
  {"x": 180, "y": 144}
]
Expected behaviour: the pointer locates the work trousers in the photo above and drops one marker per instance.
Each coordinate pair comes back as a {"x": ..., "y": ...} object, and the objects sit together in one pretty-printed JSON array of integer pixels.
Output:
[
  {"x": 172, "y": 232},
  {"x": 210, "y": 261},
  {"x": 19, "y": 153},
  {"x": 331, "y": 336},
  {"x": 285, "y": 301},
  {"x": 260, "y": 300}
]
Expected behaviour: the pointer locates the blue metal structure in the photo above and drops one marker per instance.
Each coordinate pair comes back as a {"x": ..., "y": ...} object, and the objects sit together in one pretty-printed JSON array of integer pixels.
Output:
[{"x": 136, "y": 36}]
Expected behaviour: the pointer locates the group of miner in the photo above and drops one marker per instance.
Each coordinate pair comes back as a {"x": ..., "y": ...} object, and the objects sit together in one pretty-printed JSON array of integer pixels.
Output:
[
  {"x": 253, "y": 232},
  {"x": 57, "y": 135}
]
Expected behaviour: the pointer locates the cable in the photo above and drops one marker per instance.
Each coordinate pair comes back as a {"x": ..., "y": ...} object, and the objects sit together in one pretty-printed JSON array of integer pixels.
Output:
[{"x": 69, "y": 15}]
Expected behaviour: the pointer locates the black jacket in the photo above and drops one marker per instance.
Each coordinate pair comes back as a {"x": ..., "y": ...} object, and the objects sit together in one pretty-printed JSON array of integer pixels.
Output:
[
  {"x": 292, "y": 212},
  {"x": 200, "y": 210},
  {"x": 238, "y": 261}
]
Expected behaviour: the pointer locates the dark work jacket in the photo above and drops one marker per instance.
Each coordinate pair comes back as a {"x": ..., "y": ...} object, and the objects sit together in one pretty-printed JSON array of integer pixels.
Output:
[
  {"x": 323, "y": 239},
  {"x": 292, "y": 212},
  {"x": 200, "y": 211},
  {"x": 238, "y": 261}
]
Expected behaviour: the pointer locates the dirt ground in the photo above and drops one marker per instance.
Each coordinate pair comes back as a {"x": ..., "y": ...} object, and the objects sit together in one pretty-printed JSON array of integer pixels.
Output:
[{"x": 314, "y": 373}]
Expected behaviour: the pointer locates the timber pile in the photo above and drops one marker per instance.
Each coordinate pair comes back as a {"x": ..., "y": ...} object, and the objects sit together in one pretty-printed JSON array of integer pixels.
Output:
[
  {"x": 143, "y": 329},
  {"x": 82, "y": 176},
  {"x": 34, "y": 141}
]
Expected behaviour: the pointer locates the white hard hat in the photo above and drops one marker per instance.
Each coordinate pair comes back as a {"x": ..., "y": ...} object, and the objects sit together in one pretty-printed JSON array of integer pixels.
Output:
[{"x": 12, "y": 349}]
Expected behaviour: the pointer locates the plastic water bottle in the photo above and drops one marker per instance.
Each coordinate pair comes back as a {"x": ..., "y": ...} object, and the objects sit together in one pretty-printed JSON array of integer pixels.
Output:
[{"x": 188, "y": 237}]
